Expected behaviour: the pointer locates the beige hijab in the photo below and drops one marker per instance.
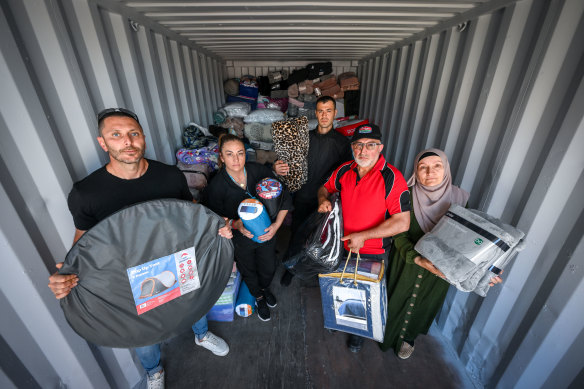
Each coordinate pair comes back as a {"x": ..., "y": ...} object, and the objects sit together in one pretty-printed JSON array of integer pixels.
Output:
[{"x": 431, "y": 202}]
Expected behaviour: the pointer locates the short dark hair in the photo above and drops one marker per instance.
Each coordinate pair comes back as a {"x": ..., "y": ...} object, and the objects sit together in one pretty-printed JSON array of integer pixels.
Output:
[
  {"x": 106, "y": 113},
  {"x": 326, "y": 99}
]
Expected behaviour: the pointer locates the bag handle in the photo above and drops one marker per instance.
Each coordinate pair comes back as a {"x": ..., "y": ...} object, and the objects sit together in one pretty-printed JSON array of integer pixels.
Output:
[{"x": 356, "y": 266}]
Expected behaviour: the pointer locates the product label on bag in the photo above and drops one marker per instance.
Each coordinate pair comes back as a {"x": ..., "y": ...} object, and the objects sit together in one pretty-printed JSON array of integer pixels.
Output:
[{"x": 161, "y": 280}]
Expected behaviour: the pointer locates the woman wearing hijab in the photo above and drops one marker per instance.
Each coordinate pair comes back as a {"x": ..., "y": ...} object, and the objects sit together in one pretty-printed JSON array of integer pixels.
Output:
[{"x": 415, "y": 288}]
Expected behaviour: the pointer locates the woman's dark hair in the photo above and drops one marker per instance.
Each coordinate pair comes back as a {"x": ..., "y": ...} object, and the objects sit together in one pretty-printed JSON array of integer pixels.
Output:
[{"x": 225, "y": 138}]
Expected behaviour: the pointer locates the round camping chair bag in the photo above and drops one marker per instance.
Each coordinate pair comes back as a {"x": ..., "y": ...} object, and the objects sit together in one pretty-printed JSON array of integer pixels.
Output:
[{"x": 146, "y": 273}]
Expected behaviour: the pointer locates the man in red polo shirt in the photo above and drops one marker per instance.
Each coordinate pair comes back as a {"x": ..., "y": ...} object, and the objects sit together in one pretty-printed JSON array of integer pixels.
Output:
[{"x": 374, "y": 197}]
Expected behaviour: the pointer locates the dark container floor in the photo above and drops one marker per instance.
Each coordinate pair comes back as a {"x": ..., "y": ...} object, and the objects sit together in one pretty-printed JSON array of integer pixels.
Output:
[{"x": 294, "y": 350}]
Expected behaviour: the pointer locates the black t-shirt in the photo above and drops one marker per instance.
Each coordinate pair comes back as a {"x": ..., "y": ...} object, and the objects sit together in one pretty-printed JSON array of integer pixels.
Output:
[
  {"x": 101, "y": 194},
  {"x": 325, "y": 153}
]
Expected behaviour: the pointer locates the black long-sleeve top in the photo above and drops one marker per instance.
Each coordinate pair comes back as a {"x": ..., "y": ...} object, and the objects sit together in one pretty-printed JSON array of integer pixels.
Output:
[
  {"x": 325, "y": 153},
  {"x": 223, "y": 195}
]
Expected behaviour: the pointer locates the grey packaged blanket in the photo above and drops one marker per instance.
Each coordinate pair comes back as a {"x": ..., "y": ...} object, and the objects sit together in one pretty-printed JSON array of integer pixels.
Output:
[{"x": 470, "y": 247}]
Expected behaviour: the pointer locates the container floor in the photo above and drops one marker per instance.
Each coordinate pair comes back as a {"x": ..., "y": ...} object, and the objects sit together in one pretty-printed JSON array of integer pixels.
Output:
[{"x": 294, "y": 350}]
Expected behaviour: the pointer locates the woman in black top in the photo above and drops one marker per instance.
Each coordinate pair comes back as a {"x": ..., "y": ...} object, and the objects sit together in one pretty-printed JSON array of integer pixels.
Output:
[{"x": 235, "y": 182}]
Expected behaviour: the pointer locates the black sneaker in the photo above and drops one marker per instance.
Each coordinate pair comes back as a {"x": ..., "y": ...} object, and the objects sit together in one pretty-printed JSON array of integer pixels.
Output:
[
  {"x": 270, "y": 298},
  {"x": 355, "y": 343},
  {"x": 262, "y": 308},
  {"x": 286, "y": 278}
]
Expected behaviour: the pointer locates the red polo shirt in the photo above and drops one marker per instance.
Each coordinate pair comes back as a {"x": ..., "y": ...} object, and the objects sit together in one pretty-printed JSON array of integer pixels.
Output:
[{"x": 369, "y": 201}]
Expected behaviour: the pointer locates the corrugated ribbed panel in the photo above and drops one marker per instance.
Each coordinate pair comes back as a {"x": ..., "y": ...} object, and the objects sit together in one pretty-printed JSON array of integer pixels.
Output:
[
  {"x": 278, "y": 30},
  {"x": 60, "y": 63},
  {"x": 258, "y": 68},
  {"x": 504, "y": 97}
]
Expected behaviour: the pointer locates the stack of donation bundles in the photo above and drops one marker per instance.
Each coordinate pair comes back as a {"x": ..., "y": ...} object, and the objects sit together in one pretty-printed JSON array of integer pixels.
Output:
[
  {"x": 146, "y": 273},
  {"x": 317, "y": 246},
  {"x": 470, "y": 247},
  {"x": 225, "y": 307},
  {"x": 258, "y": 127},
  {"x": 354, "y": 300}
]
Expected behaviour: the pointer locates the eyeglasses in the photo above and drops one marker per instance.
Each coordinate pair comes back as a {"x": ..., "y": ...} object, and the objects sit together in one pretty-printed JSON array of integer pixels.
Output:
[
  {"x": 116, "y": 111},
  {"x": 359, "y": 146}
]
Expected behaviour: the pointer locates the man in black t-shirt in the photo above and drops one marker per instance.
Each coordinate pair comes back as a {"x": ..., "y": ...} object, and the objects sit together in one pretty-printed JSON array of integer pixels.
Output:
[
  {"x": 128, "y": 179},
  {"x": 326, "y": 151}
]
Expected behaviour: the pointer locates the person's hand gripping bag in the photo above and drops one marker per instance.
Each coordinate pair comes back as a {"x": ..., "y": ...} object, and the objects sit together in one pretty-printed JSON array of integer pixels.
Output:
[{"x": 146, "y": 273}]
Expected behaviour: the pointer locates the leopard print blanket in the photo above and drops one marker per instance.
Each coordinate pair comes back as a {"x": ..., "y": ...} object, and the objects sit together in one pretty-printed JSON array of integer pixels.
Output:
[{"x": 291, "y": 146}]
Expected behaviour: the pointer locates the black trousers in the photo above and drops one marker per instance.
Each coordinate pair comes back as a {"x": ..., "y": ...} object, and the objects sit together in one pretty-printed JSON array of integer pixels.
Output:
[
  {"x": 256, "y": 262},
  {"x": 302, "y": 210}
]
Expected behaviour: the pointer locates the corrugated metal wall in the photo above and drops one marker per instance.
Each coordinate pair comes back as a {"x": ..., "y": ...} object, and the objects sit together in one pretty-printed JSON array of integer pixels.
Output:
[
  {"x": 236, "y": 69},
  {"x": 60, "y": 62},
  {"x": 504, "y": 98}
]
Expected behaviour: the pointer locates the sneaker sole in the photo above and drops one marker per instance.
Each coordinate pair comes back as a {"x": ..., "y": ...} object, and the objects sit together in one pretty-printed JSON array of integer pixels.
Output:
[
  {"x": 262, "y": 319},
  {"x": 224, "y": 353},
  {"x": 219, "y": 354},
  {"x": 272, "y": 306}
]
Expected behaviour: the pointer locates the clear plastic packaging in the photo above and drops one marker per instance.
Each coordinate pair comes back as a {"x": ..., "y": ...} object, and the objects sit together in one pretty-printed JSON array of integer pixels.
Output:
[
  {"x": 469, "y": 247},
  {"x": 238, "y": 109},
  {"x": 265, "y": 115},
  {"x": 354, "y": 298},
  {"x": 261, "y": 132}
]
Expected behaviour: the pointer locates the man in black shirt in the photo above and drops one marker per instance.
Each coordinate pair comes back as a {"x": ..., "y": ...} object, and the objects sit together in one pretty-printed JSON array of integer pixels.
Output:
[
  {"x": 327, "y": 150},
  {"x": 127, "y": 179}
]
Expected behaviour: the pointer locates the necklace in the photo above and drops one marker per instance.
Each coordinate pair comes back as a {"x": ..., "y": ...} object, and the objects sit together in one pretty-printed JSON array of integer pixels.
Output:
[{"x": 242, "y": 186}]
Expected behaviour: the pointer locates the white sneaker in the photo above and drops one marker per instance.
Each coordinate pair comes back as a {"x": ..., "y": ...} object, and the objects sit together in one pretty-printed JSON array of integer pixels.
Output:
[
  {"x": 213, "y": 343},
  {"x": 156, "y": 381}
]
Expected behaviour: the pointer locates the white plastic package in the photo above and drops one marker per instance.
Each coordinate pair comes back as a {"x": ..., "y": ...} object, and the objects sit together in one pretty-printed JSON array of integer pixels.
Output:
[
  {"x": 264, "y": 115},
  {"x": 469, "y": 247},
  {"x": 238, "y": 109}
]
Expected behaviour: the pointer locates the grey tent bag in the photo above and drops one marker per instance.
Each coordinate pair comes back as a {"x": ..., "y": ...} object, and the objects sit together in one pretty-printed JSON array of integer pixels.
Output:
[{"x": 146, "y": 273}]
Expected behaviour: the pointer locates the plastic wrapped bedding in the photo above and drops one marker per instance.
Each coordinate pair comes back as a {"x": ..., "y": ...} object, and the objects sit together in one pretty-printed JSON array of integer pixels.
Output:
[
  {"x": 265, "y": 115},
  {"x": 146, "y": 273},
  {"x": 278, "y": 76},
  {"x": 231, "y": 87},
  {"x": 281, "y": 104},
  {"x": 196, "y": 174},
  {"x": 238, "y": 109},
  {"x": 235, "y": 124},
  {"x": 261, "y": 132},
  {"x": 470, "y": 247}
]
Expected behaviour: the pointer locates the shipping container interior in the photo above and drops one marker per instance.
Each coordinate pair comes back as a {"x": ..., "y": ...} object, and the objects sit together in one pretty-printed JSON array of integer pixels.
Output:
[{"x": 497, "y": 84}]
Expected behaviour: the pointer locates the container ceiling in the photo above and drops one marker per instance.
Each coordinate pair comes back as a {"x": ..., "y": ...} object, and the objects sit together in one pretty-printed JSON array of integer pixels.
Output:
[{"x": 308, "y": 30}]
